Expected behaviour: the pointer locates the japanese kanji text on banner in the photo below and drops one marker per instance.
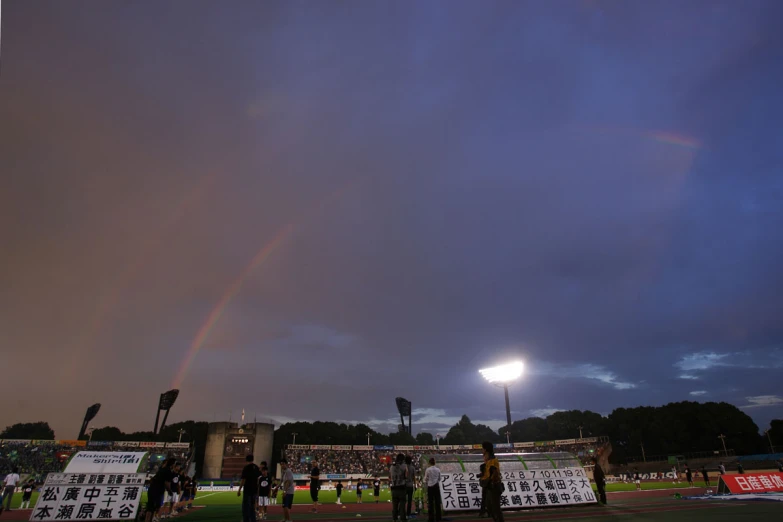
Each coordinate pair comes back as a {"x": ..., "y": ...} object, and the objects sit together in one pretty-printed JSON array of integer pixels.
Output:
[
  {"x": 751, "y": 483},
  {"x": 524, "y": 489},
  {"x": 96, "y": 485},
  {"x": 73, "y": 496}
]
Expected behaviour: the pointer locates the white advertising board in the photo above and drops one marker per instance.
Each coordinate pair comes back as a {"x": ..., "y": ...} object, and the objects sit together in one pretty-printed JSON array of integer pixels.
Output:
[
  {"x": 83, "y": 496},
  {"x": 105, "y": 461},
  {"x": 524, "y": 489}
]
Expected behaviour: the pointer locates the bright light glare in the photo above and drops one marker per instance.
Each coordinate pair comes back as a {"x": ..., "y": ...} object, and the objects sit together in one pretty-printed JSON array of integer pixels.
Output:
[{"x": 504, "y": 373}]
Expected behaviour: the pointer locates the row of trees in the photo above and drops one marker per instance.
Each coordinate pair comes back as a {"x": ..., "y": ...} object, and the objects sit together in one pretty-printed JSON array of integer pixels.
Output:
[{"x": 675, "y": 428}]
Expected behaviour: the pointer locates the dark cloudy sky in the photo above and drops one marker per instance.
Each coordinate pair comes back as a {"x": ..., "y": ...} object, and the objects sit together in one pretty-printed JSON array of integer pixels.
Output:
[{"x": 306, "y": 209}]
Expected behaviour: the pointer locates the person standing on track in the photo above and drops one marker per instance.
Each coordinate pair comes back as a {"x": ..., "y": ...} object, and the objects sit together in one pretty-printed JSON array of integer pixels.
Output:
[
  {"x": 398, "y": 475},
  {"x": 9, "y": 486},
  {"x": 705, "y": 475},
  {"x": 264, "y": 491},
  {"x": 249, "y": 481},
  {"x": 376, "y": 489},
  {"x": 483, "y": 510},
  {"x": 315, "y": 485},
  {"x": 492, "y": 482},
  {"x": 359, "y": 491},
  {"x": 432, "y": 481},
  {"x": 289, "y": 488},
  {"x": 600, "y": 481},
  {"x": 193, "y": 492},
  {"x": 159, "y": 485},
  {"x": 27, "y": 493},
  {"x": 409, "y": 484},
  {"x": 689, "y": 476},
  {"x": 339, "y": 489}
]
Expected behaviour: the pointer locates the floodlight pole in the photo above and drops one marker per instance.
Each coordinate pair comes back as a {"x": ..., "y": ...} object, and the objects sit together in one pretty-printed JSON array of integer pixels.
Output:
[
  {"x": 508, "y": 408},
  {"x": 368, "y": 439},
  {"x": 769, "y": 439},
  {"x": 294, "y": 434}
]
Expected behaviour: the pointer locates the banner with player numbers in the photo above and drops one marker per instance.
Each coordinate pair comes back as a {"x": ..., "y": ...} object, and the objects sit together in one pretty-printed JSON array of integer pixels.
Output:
[
  {"x": 74, "y": 496},
  {"x": 524, "y": 489}
]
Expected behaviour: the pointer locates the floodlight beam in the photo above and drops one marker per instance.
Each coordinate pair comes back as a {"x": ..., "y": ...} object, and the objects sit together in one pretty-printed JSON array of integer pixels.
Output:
[
  {"x": 502, "y": 376},
  {"x": 505, "y": 373}
]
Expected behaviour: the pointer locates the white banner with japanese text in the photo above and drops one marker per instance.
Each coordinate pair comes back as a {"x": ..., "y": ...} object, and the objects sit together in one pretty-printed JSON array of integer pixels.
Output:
[
  {"x": 524, "y": 489},
  {"x": 82, "y": 496}
]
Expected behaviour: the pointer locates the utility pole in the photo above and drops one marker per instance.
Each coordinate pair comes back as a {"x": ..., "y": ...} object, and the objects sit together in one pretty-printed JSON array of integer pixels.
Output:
[
  {"x": 181, "y": 433},
  {"x": 89, "y": 433},
  {"x": 580, "y": 433},
  {"x": 294, "y": 435},
  {"x": 722, "y": 438},
  {"x": 769, "y": 439},
  {"x": 437, "y": 438},
  {"x": 368, "y": 439},
  {"x": 508, "y": 437},
  {"x": 644, "y": 457}
]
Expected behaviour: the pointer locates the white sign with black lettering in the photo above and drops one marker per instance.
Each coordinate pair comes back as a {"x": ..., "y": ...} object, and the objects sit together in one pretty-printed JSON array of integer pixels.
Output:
[
  {"x": 524, "y": 489},
  {"x": 105, "y": 461},
  {"x": 104, "y": 496}
]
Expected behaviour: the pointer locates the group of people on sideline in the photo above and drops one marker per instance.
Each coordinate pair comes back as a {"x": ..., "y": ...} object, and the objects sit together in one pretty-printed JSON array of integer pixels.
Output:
[{"x": 171, "y": 491}]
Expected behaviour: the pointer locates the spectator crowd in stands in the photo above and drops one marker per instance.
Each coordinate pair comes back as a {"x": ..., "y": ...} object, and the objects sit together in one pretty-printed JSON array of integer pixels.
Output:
[
  {"x": 375, "y": 462},
  {"x": 39, "y": 459}
]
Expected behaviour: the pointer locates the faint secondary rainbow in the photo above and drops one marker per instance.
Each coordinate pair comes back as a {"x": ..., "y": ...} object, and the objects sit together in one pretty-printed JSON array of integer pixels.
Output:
[
  {"x": 220, "y": 307},
  {"x": 675, "y": 139},
  {"x": 668, "y": 137}
]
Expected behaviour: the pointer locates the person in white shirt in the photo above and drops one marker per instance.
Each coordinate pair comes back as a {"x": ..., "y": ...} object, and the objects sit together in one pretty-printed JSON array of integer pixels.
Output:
[
  {"x": 10, "y": 482},
  {"x": 432, "y": 479}
]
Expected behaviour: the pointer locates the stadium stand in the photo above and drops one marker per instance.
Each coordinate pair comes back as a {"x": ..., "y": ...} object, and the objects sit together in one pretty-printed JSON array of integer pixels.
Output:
[
  {"x": 37, "y": 458},
  {"x": 370, "y": 461}
]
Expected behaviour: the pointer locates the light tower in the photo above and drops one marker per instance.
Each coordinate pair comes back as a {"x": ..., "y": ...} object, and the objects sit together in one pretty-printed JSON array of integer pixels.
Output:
[{"x": 501, "y": 376}]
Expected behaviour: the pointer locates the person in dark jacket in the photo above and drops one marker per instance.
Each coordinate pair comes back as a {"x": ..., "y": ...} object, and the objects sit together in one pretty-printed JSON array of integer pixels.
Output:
[
  {"x": 600, "y": 481},
  {"x": 484, "y": 510}
]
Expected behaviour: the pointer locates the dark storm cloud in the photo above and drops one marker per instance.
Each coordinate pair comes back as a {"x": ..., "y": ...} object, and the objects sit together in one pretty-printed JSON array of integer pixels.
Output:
[{"x": 593, "y": 188}]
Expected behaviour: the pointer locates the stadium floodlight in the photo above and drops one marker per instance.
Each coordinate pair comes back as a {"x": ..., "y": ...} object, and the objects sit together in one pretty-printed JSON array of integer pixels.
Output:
[
  {"x": 168, "y": 399},
  {"x": 165, "y": 403},
  {"x": 405, "y": 407},
  {"x": 502, "y": 376},
  {"x": 92, "y": 411}
]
